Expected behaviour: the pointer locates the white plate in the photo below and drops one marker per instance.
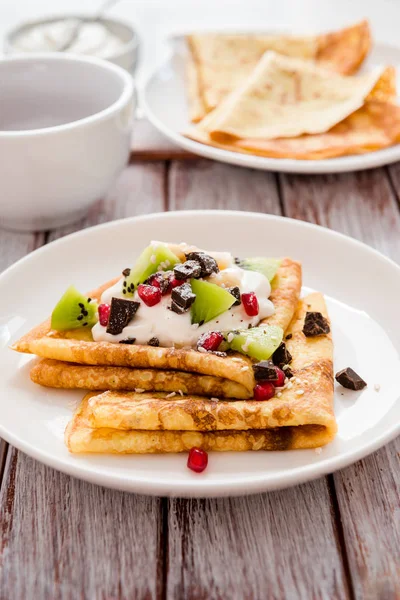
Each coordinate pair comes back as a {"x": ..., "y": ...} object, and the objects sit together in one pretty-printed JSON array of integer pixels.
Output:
[
  {"x": 163, "y": 98},
  {"x": 362, "y": 289}
]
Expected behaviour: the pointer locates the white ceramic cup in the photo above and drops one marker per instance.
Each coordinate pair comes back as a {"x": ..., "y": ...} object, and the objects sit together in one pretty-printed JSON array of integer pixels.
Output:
[{"x": 65, "y": 131}]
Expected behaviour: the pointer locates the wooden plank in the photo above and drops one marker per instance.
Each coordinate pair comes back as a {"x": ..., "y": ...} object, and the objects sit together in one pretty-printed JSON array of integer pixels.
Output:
[
  {"x": 62, "y": 538},
  {"x": 281, "y": 545},
  {"x": 278, "y": 545},
  {"x": 361, "y": 205},
  {"x": 13, "y": 246},
  {"x": 205, "y": 184}
]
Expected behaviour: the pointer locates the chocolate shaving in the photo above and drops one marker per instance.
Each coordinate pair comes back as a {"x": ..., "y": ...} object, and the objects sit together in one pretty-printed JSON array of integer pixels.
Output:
[
  {"x": 235, "y": 291},
  {"x": 264, "y": 371},
  {"x": 281, "y": 356},
  {"x": 350, "y": 379},
  {"x": 315, "y": 324},
  {"x": 128, "y": 340},
  {"x": 121, "y": 312},
  {"x": 288, "y": 372},
  {"x": 153, "y": 342},
  {"x": 126, "y": 272}
]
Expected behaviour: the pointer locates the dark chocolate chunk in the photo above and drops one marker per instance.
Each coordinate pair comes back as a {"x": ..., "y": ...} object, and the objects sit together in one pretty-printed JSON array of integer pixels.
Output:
[
  {"x": 153, "y": 342},
  {"x": 176, "y": 308},
  {"x": 121, "y": 312},
  {"x": 315, "y": 324},
  {"x": 281, "y": 356},
  {"x": 207, "y": 263},
  {"x": 187, "y": 270},
  {"x": 235, "y": 291},
  {"x": 129, "y": 341},
  {"x": 350, "y": 379},
  {"x": 288, "y": 372},
  {"x": 183, "y": 297},
  {"x": 289, "y": 336},
  {"x": 264, "y": 371},
  {"x": 126, "y": 272}
]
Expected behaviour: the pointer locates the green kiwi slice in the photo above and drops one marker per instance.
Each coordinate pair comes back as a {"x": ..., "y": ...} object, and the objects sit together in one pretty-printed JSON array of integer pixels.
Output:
[
  {"x": 211, "y": 301},
  {"x": 153, "y": 258},
  {"x": 266, "y": 266},
  {"x": 73, "y": 310},
  {"x": 257, "y": 342}
]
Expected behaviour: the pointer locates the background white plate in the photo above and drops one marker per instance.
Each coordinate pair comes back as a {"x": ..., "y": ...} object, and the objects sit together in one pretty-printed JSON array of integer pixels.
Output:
[
  {"x": 163, "y": 99},
  {"x": 362, "y": 289}
]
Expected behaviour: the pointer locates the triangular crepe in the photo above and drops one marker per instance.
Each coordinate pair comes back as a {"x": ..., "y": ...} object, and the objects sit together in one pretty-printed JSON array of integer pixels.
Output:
[
  {"x": 79, "y": 347},
  {"x": 302, "y": 417},
  {"x": 287, "y": 97},
  {"x": 218, "y": 63},
  {"x": 374, "y": 126}
]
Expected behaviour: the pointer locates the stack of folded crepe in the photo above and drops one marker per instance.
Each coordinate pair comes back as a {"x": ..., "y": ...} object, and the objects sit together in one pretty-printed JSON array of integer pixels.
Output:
[
  {"x": 146, "y": 399},
  {"x": 281, "y": 104}
]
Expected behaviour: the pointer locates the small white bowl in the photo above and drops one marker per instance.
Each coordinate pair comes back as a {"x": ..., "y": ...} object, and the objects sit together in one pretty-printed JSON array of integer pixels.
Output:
[
  {"x": 65, "y": 130},
  {"x": 126, "y": 57}
]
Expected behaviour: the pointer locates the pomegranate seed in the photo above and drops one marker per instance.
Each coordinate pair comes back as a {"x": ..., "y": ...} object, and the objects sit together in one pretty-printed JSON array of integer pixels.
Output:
[
  {"x": 250, "y": 304},
  {"x": 280, "y": 377},
  {"x": 104, "y": 313},
  {"x": 210, "y": 341},
  {"x": 175, "y": 282},
  {"x": 264, "y": 391},
  {"x": 160, "y": 280},
  {"x": 197, "y": 460},
  {"x": 155, "y": 280},
  {"x": 150, "y": 294}
]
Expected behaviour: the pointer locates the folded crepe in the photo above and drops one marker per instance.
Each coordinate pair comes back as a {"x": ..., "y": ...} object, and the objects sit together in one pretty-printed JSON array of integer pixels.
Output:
[
  {"x": 302, "y": 417},
  {"x": 231, "y": 374},
  {"x": 288, "y": 97},
  {"x": 218, "y": 63},
  {"x": 373, "y": 126}
]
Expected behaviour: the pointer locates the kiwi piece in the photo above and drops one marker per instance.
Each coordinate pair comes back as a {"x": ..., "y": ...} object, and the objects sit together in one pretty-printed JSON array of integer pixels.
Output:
[
  {"x": 257, "y": 342},
  {"x": 211, "y": 301},
  {"x": 153, "y": 258},
  {"x": 266, "y": 266},
  {"x": 73, "y": 310}
]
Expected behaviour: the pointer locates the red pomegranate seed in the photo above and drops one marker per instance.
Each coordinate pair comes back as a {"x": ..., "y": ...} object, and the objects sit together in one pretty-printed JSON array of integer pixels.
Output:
[
  {"x": 264, "y": 391},
  {"x": 150, "y": 294},
  {"x": 280, "y": 377},
  {"x": 250, "y": 304},
  {"x": 155, "y": 280},
  {"x": 210, "y": 341},
  {"x": 175, "y": 282},
  {"x": 197, "y": 460},
  {"x": 104, "y": 313}
]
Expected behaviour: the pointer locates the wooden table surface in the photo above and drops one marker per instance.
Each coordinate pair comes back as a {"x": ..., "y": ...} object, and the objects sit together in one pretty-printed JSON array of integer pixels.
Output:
[{"x": 336, "y": 537}]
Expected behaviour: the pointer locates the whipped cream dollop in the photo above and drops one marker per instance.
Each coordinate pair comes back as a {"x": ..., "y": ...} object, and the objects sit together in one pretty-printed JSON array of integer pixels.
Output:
[
  {"x": 173, "y": 330},
  {"x": 92, "y": 38}
]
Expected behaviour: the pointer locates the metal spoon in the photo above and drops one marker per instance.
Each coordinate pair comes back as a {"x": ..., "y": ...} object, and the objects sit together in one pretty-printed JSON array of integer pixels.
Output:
[{"x": 96, "y": 17}]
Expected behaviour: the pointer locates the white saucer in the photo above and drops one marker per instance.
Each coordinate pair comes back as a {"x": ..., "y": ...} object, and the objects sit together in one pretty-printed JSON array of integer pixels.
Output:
[
  {"x": 362, "y": 290},
  {"x": 163, "y": 99}
]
